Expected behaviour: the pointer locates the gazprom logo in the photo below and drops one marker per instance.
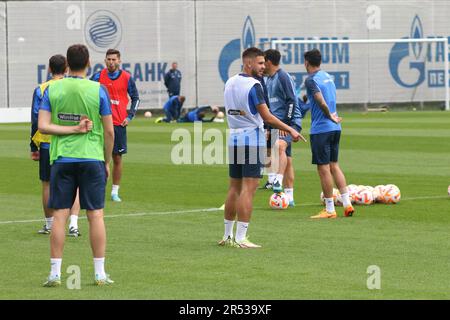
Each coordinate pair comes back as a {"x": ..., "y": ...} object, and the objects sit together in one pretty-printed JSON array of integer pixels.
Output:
[
  {"x": 412, "y": 53},
  {"x": 103, "y": 30},
  {"x": 232, "y": 50}
]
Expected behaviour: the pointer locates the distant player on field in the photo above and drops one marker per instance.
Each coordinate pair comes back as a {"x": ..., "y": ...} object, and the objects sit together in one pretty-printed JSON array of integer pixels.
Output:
[
  {"x": 120, "y": 85},
  {"x": 198, "y": 114},
  {"x": 172, "y": 109},
  {"x": 284, "y": 106},
  {"x": 77, "y": 112},
  {"x": 40, "y": 145},
  {"x": 325, "y": 134},
  {"x": 246, "y": 111}
]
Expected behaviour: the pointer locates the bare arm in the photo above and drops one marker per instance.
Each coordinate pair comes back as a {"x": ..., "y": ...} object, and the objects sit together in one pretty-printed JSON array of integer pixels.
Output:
[
  {"x": 323, "y": 105},
  {"x": 46, "y": 126},
  {"x": 108, "y": 134},
  {"x": 275, "y": 123}
]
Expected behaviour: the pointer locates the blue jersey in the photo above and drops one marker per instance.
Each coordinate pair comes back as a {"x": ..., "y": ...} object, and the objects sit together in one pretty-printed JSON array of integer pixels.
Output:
[
  {"x": 193, "y": 116},
  {"x": 282, "y": 97},
  {"x": 172, "y": 81},
  {"x": 131, "y": 89},
  {"x": 174, "y": 106},
  {"x": 322, "y": 82},
  {"x": 37, "y": 98}
]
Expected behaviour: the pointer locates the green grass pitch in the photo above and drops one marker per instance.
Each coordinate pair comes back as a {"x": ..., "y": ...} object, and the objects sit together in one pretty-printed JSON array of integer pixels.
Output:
[{"x": 161, "y": 245}]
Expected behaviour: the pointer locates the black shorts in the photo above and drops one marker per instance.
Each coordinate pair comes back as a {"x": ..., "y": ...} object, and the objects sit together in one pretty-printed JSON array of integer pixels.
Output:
[
  {"x": 325, "y": 147},
  {"x": 65, "y": 178},
  {"x": 44, "y": 165},
  {"x": 120, "y": 140},
  {"x": 246, "y": 162}
]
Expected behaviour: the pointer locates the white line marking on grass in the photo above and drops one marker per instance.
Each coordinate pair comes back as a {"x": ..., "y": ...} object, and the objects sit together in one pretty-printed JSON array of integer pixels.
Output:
[{"x": 156, "y": 213}]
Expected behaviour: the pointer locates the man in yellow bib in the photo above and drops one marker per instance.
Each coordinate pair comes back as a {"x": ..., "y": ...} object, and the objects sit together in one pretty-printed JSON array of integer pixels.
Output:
[{"x": 40, "y": 145}]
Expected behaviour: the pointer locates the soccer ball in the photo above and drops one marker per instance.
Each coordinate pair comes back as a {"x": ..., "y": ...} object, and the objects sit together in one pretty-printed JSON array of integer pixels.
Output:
[
  {"x": 220, "y": 115},
  {"x": 363, "y": 196},
  {"x": 147, "y": 114},
  {"x": 378, "y": 192},
  {"x": 351, "y": 189},
  {"x": 279, "y": 201},
  {"x": 337, "y": 199},
  {"x": 391, "y": 194}
]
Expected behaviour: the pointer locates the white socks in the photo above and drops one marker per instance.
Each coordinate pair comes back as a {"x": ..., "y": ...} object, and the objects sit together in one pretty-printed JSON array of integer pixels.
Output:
[
  {"x": 272, "y": 177},
  {"x": 73, "y": 221},
  {"x": 241, "y": 231},
  {"x": 279, "y": 178},
  {"x": 329, "y": 202},
  {"x": 229, "y": 224},
  {"x": 290, "y": 193},
  {"x": 115, "y": 189},
  {"x": 55, "y": 267},
  {"x": 49, "y": 222},
  {"x": 99, "y": 268},
  {"x": 346, "y": 199}
]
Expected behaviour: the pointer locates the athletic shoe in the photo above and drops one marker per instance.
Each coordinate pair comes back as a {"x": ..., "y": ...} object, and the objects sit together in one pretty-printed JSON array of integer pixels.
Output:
[
  {"x": 74, "y": 232},
  {"x": 103, "y": 281},
  {"x": 246, "y": 244},
  {"x": 159, "y": 120},
  {"x": 325, "y": 215},
  {"x": 291, "y": 204},
  {"x": 276, "y": 186},
  {"x": 228, "y": 242},
  {"x": 45, "y": 230},
  {"x": 267, "y": 186},
  {"x": 52, "y": 282},
  {"x": 348, "y": 211},
  {"x": 115, "y": 198}
]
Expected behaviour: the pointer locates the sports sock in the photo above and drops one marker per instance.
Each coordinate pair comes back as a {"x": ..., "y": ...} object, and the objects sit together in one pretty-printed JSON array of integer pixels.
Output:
[
  {"x": 290, "y": 193},
  {"x": 73, "y": 221},
  {"x": 55, "y": 267},
  {"x": 241, "y": 231},
  {"x": 279, "y": 178},
  {"x": 115, "y": 189},
  {"x": 49, "y": 222},
  {"x": 271, "y": 177},
  {"x": 99, "y": 267},
  {"x": 330, "y": 205},
  {"x": 229, "y": 224},
  {"x": 346, "y": 199}
]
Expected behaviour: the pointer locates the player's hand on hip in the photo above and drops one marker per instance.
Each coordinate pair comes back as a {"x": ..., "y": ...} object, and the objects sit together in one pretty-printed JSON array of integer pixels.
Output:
[
  {"x": 335, "y": 118},
  {"x": 35, "y": 156}
]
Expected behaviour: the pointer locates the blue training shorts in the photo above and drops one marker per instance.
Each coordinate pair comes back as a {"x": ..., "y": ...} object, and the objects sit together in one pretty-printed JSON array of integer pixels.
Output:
[
  {"x": 44, "y": 164},
  {"x": 120, "y": 140},
  {"x": 246, "y": 161},
  {"x": 325, "y": 147},
  {"x": 89, "y": 176}
]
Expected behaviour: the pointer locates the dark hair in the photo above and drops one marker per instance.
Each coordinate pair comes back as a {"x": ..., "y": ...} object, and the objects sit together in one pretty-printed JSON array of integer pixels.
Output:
[
  {"x": 273, "y": 56},
  {"x": 113, "y": 51},
  {"x": 57, "y": 64},
  {"x": 252, "y": 53},
  {"x": 77, "y": 57},
  {"x": 314, "y": 57}
]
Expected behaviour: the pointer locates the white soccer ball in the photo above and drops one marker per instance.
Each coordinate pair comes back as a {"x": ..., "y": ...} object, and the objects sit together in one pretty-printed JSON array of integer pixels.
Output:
[
  {"x": 337, "y": 199},
  {"x": 147, "y": 114},
  {"x": 351, "y": 189},
  {"x": 364, "y": 196},
  {"x": 220, "y": 115},
  {"x": 391, "y": 194},
  {"x": 279, "y": 201},
  {"x": 378, "y": 192}
]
